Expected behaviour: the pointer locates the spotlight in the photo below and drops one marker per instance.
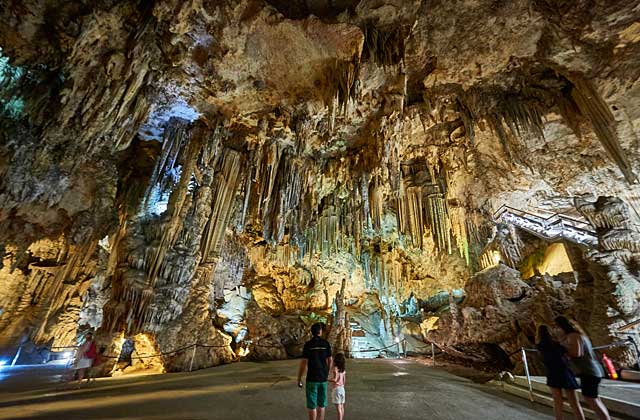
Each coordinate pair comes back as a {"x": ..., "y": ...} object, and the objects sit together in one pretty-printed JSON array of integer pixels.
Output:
[
  {"x": 397, "y": 339},
  {"x": 3, "y": 363}
]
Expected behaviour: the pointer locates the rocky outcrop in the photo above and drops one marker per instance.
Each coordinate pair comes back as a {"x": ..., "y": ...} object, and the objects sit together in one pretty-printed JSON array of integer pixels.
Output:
[
  {"x": 613, "y": 297},
  {"x": 500, "y": 314}
]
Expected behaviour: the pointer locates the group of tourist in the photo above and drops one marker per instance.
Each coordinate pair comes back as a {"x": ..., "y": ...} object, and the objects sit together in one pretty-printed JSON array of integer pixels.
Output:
[
  {"x": 566, "y": 352},
  {"x": 565, "y": 357}
]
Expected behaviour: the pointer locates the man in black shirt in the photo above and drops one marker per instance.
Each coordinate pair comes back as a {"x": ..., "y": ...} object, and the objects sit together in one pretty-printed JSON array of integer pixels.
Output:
[{"x": 316, "y": 359}]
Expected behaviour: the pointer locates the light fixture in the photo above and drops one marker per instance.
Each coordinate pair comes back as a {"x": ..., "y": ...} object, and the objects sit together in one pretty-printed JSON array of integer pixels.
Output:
[{"x": 397, "y": 339}]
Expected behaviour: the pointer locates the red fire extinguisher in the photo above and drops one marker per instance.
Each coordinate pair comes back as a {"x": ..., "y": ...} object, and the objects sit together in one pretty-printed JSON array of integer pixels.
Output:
[{"x": 608, "y": 364}]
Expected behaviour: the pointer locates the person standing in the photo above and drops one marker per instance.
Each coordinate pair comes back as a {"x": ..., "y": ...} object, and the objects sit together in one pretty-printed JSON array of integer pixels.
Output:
[
  {"x": 338, "y": 379},
  {"x": 588, "y": 368},
  {"x": 316, "y": 360},
  {"x": 84, "y": 358},
  {"x": 559, "y": 376}
]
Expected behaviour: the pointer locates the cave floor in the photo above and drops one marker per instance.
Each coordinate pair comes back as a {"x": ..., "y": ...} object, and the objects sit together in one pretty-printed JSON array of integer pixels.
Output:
[{"x": 376, "y": 389}]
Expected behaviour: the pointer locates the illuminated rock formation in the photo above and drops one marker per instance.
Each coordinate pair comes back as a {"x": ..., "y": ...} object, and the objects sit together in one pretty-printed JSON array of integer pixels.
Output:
[
  {"x": 613, "y": 297},
  {"x": 210, "y": 178}
]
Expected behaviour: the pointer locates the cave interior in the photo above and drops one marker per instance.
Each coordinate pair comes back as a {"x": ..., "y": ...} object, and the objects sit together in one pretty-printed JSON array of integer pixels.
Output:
[{"x": 197, "y": 182}]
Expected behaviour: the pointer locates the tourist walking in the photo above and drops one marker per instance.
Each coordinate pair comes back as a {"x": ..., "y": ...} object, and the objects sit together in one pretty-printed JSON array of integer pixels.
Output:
[
  {"x": 337, "y": 379},
  {"x": 587, "y": 367},
  {"x": 559, "y": 375},
  {"x": 316, "y": 360},
  {"x": 84, "y": 357}
]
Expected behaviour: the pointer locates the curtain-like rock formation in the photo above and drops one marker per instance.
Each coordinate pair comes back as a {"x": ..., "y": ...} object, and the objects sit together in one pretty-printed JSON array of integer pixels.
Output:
[{"x": 207, "y": 179}]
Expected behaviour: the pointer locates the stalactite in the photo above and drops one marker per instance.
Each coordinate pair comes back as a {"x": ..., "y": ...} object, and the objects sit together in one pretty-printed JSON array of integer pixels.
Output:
[
  {"x": 174, "y": 140},
  {"x": 223, "y": 195},
  {"x": 421, "y": 206},
  {"x": 596, "y": 110},
  {"x": 376, "y": 205},
  {"x": 510, "y": 114},
  {"x": 76, "y": 262},
  {"x": 458, "y": 222},
  {"x": 176, "y": 207},
  {"x": 341, "y": 86},
  {"x": 384, "y": 46}
]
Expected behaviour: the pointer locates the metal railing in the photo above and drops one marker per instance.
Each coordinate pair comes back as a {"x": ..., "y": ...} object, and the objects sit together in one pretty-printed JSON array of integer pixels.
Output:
[
  {"x": 551, "y": 227},
  {"x": 524, "y": 350}
]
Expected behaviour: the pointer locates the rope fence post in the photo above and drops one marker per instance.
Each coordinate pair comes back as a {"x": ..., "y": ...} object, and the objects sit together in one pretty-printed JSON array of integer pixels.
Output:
[
  {"x": 433, "y": 355},
  {"x": 193, "y": 356},
  {"x": 526, "y": 370},
  {"x": 17, "y": 356}
]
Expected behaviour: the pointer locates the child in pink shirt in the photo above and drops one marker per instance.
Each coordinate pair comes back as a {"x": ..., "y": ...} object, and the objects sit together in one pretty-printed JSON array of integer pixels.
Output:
[{"x": 337, "y": 379}]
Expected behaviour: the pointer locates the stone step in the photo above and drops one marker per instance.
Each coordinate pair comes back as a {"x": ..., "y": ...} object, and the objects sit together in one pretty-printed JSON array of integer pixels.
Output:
[{"x": 543, "y": 394}]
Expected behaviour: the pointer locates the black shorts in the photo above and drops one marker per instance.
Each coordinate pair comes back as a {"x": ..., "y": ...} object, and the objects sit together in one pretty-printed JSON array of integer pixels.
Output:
[{"x": 589, "y": 386}]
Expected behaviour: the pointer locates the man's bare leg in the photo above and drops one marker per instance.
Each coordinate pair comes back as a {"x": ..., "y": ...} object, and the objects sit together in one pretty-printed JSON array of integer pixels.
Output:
[
  {"x": 312, "y": 414},
  {"x": 320, "y": 413}
]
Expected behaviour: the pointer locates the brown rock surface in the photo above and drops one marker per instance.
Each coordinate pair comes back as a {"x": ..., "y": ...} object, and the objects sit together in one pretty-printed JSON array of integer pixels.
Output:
[{"x": 226, "y": 173}]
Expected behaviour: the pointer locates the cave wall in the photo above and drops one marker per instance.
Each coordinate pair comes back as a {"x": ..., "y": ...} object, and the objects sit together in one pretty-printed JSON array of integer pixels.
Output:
[{"x": 169, "y": 172}]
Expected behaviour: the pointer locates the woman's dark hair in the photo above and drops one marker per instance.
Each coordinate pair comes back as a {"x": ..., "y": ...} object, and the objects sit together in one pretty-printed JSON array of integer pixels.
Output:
[
  {"x": 566, "y": 325},
  {"x": 340, "y": 361},
  {"x": 544, "y": 337}
]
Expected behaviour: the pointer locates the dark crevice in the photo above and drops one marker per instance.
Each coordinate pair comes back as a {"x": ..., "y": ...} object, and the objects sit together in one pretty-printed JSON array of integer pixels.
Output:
[{"x": 301, "y": 9}]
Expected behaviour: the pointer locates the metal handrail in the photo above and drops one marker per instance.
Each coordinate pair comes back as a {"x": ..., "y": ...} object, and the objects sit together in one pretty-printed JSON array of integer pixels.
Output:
[
  {"x": 576, "y": 223},
  {"x": 629, "y": 325},
  {"x": 587, "y": 225},
  {"x": 566, "y": 224}
]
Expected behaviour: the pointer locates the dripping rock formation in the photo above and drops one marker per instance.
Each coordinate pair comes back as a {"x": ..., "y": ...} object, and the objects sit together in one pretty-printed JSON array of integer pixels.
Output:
[{"x": 198, "y": 182}]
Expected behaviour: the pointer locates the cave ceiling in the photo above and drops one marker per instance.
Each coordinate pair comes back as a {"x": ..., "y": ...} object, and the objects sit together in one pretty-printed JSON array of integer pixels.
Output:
[{"x": 525, "y": 100}]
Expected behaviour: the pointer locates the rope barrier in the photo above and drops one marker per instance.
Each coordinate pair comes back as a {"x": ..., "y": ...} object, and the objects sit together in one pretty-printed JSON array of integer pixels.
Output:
[
  {"x": 371, "y": 350},
  {"x": 428, "y": 346},
  {"x": 606, "y": 346},
  {"x": 147, "y": 356},
  {"x": 181, "y": 349}
]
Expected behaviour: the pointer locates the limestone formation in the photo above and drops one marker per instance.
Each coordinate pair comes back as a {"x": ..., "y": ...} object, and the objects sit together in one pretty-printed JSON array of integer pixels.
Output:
[
  {"x": 500, "y": 314},
  {"x": 204, "y": 180},
  {"x": 614, "y": 267}
]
